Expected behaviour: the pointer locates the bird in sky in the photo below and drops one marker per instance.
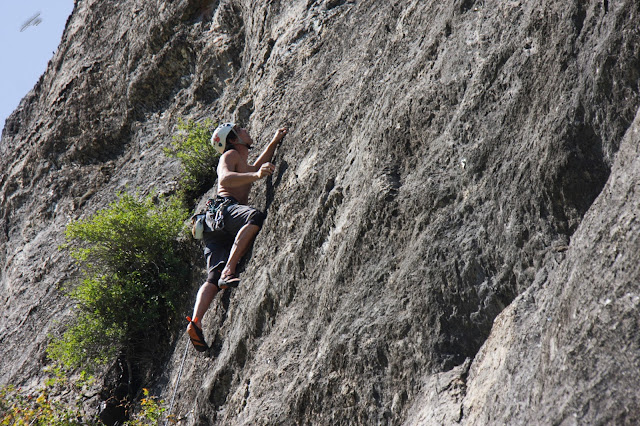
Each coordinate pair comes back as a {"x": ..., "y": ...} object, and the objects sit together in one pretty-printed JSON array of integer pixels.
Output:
[{"x": 33, "y": 21}]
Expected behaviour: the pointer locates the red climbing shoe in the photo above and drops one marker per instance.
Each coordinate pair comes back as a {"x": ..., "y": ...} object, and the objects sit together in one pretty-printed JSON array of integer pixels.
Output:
[{"x": 196, "y": 336}]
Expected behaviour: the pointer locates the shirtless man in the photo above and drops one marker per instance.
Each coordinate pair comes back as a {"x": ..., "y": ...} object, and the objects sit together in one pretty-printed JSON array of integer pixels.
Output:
[{"x": 225, "y": 246}]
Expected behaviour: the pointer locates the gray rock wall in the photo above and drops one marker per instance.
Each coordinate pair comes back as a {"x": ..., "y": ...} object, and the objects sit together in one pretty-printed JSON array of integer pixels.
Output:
[{"x": 441, "y": 168}]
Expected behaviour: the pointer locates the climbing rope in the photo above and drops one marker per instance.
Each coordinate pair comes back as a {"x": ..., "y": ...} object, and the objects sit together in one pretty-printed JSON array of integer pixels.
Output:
[{"x": 173, "y": 398}]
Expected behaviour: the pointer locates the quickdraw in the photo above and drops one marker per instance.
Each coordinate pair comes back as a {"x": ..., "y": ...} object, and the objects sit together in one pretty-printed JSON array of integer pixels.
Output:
[{"x": 217, "y": 209}]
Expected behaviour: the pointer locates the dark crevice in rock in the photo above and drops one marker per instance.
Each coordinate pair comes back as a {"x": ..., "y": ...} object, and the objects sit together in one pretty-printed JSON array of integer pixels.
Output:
[
  {"x": 218, "y": 63},
  {"x": 220, "y": 388},
  {"x": 580, "y": 175},
  {"x": 578, "y": 17},
  {"x": 464, "y": 5},
  {"x": 157, "y": 83}
]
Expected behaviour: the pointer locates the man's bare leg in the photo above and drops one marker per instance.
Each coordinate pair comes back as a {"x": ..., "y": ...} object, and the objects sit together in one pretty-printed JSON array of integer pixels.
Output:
[
  {"x": 206, "y": 293},
  {"x": 205, "y": 296},
  {"x": 241, "y": 245}
]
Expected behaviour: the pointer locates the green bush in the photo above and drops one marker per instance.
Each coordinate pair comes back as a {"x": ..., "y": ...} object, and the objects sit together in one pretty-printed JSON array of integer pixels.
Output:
[
  {"x": 192, "y": 146},
  {"x": 150, "y": 413},
  {"x": 20, "y": 408},
  {"x": 133, "y": 276},
  {"x": 39, "y": 407}
]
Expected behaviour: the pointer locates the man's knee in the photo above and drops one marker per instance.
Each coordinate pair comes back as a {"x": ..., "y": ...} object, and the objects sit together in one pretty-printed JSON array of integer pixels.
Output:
[
  {"x": 257, "y": 219},
  {"x": 213, "y": 276}
]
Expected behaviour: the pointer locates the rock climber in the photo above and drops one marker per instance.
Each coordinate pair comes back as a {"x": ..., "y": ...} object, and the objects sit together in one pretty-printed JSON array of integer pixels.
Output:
[{"x": 236, "y": 224}]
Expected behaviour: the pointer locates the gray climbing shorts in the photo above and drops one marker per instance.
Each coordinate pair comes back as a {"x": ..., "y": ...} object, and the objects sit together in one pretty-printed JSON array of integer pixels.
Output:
[{"x": 218, "y": 243}]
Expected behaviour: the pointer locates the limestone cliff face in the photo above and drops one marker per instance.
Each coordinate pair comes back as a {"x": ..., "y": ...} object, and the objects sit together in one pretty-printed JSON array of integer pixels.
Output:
[{"x": 452, "y": 230}]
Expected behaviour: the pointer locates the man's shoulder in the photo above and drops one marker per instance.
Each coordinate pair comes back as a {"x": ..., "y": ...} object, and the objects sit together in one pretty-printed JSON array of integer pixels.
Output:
[
  {"x": 231, "y": 154},
  {"x": 230, "y": 158}
]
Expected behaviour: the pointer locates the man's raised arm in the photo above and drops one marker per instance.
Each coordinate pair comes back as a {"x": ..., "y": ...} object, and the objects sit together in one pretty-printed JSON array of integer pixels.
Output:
[
  {"x": 228, "y": 177},
  {"x": 268, "y": 152}
]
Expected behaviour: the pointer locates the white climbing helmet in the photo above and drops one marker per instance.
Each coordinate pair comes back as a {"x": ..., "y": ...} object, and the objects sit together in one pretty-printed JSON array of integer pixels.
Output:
[{"x": 219, "y": 137}]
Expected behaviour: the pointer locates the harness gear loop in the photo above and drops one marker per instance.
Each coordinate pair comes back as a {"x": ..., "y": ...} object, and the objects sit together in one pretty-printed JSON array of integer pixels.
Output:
[{"x": 215, "y": 211}]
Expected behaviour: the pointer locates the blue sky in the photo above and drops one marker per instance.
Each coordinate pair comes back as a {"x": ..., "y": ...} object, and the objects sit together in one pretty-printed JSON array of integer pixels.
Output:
[{"x": 25, "y": 54}]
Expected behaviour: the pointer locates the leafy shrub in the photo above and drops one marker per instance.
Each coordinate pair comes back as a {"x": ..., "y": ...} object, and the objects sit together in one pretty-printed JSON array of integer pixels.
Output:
[
  {"x": 133, "y": 275},
  {"x": 21, "y": 407},
  {"x": 191, "y": 145},
  {"x": 151, "y": 411}
]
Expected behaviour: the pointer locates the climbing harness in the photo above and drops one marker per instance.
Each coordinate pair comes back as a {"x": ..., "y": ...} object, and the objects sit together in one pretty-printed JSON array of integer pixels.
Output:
[
  {"x": 212, "y": 218},
  {"x": 215, "y": 211}
]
